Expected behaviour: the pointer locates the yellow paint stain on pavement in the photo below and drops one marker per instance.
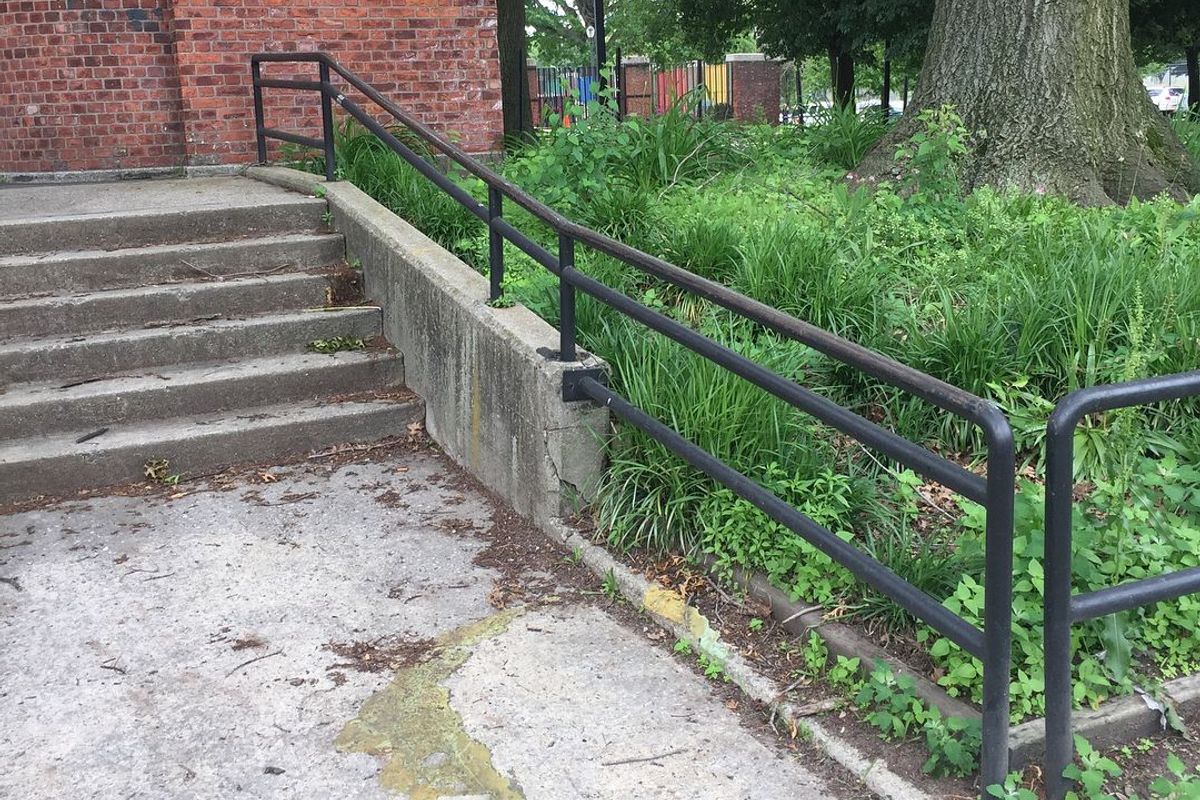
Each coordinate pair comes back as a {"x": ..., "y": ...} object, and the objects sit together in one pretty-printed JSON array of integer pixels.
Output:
[
  {"x": 669, "y": 604},
  {"x": 412, "y": 725}
]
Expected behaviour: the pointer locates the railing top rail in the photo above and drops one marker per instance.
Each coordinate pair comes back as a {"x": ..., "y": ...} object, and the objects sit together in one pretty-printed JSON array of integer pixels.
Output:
[
  {"x": 944, "y": 395},
  {"x": 1111, "y": 396}
]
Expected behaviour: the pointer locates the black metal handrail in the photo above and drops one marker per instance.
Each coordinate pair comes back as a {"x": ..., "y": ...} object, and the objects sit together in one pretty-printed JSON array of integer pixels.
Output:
[
  {"x": 1062, "y": 608},
  {"x": 992, "y": 644}
]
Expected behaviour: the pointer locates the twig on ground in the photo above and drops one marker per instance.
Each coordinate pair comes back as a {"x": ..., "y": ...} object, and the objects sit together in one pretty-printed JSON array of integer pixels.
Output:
[
  {"x": 928, "y": 500},
  {"x": 251, "y": 661},
  {"x": 87, "y": 437},
  {"x": 642, "y": 760},
  {"x": 801, "y": 613},
  {"x": 357, "y": 448}
]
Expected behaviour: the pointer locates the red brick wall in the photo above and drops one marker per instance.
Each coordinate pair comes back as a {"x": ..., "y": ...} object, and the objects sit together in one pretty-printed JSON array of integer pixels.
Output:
[
  {"x": 87, "y": 84},
  {"x": 145, "y": 83},
  {"x": 436, "y": 58},
  {"x": 755, "y": 84}
]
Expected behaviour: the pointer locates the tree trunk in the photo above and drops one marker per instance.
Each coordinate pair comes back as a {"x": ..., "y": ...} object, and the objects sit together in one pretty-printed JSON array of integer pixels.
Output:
[
  {"x": 1193, "y": 68},
  {"x": 514, "y": 81},
  {"x": 841, "y": 74},
  {"x": 800, "y": 91},
  {"x": 885, "y": 94},
  {"x": 1052, "y": 98}
]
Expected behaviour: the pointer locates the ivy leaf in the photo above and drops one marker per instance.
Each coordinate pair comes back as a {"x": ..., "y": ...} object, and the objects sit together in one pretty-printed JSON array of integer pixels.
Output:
[{"x": 1117, "y": 651}]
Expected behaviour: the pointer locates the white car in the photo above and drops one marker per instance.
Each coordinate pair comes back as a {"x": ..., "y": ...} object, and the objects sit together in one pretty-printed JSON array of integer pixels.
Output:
[{"x": 1167, "y": 98}]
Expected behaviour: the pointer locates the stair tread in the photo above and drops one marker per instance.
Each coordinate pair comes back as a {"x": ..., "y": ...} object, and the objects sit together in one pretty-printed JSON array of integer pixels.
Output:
[
  {"x": 38, "y": 202},
  {"x": 283, "y": 239},
  {"x": 154, "y": 290},
  {"x": 147, "y": 434},
  {"x": 194, "y": 328},
  {"x": 190, "y": 374}
]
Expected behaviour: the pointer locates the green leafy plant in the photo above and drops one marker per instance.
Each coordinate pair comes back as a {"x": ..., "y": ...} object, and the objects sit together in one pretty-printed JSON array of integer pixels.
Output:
[
  {"x": 931, "y": 156},
  {"x": 713, "y": 669},
  {"x": 894, "y": 707},
  {"x": 1091, "y": 772},
  {"x": 1011, "y": 789},
  {"x": 1183, "y": 784}
]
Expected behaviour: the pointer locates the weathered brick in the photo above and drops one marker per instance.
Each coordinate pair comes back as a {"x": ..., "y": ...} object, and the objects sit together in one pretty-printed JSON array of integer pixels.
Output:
[{"x": 141, "y": 83}]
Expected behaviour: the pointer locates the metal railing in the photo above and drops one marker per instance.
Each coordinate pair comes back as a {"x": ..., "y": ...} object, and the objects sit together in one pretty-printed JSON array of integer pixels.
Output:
[
  {"x": 558, "y": 90},
  {"x": 1062, "y": 608},
  {"x": 991, "y": 644}
]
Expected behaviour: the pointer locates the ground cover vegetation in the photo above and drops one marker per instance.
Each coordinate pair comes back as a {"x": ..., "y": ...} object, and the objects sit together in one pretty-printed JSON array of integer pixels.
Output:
[{"x": 1016, "y": 297}]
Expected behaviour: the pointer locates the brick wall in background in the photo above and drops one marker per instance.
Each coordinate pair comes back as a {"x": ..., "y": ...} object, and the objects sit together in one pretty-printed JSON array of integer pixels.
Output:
[
  {"x": 754, "y": 80},
  {"x": 436, "y": 58},
  {"x": 87, "y": 84},
  {"x": 119, "y": 84}
]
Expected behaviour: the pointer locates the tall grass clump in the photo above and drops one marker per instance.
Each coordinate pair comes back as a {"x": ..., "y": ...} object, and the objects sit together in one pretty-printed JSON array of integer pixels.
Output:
[
  {"x": 364, "y": 160},
  {"x": 1187, "y": 127},
  {"x": 841, "y": 136}
]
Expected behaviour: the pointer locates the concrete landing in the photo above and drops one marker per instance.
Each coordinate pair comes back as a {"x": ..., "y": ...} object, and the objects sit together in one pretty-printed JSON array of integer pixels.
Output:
[
  {"x": 179, "y": 194},
  {"x": 371, "y": 630}
]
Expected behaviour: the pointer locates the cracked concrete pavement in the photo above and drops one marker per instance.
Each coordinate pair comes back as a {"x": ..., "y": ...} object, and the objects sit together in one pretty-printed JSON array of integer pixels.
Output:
[{"x": 352, "y": 631}]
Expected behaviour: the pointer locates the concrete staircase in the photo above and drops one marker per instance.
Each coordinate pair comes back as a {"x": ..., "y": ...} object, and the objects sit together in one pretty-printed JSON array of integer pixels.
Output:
[{"x": 172, "y": 321}]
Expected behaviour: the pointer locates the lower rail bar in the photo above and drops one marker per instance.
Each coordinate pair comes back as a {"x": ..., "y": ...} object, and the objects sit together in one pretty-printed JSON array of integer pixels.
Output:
[
  {"x": 911, "y": 455},
  {"x": 865, "y": 568},
  {"x": 294, "y": 138},
  {"x": 1134, "y": 595}
]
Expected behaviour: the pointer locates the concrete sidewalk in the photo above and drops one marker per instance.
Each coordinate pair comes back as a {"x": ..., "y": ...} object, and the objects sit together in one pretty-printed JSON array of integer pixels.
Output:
[{"x": 369, "y": 630}]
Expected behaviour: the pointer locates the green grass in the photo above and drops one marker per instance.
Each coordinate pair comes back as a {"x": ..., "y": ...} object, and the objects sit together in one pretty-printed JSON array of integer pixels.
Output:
[{"x": 1020, "y": 299}]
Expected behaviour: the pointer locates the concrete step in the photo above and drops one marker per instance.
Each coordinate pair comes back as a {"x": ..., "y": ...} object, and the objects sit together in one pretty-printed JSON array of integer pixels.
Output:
[
  {"x": 98, "y": 270},
  {"x": 57, "y": 465},
  {"x": 205, "y": 388},
  {"x": 112, "y": 353},
  {"x": 143, "y": 227},
  {"x": 160, "y": 305}
]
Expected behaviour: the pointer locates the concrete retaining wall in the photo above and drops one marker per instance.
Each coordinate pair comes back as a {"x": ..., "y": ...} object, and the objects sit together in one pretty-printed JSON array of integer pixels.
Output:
[{"x": 493, "y": 401}]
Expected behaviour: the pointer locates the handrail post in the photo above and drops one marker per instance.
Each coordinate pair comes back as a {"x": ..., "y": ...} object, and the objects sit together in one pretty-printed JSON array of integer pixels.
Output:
[
  {"x": 1056, "y": 560},
  {"x": 327, "y": 122},
  {"x": 566, "y": 299},
  {"x": 495, "y": 244},
  {"x": 259, "y": 121},
  {"x": 997, "y": 602}
]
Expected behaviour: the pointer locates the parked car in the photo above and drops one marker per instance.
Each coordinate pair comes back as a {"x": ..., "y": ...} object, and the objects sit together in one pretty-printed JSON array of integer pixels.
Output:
[{"x": 1166, "y": 98}]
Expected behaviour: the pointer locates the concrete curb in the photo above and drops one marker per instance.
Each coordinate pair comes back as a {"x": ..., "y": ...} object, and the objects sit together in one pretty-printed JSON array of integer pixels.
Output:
[
  {"x": 800, "y": 619},
  {"x": 686, "y": 623},
  {"x": 1118, "y": 721}
]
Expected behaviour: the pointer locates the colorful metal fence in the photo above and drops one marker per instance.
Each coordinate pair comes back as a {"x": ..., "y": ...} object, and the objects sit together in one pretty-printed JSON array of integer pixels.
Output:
[{"x": 640, "y": 89}]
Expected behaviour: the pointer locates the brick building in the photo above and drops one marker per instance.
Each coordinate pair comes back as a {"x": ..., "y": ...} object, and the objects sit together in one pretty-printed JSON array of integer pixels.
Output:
[{"x": 130, "y": 84}]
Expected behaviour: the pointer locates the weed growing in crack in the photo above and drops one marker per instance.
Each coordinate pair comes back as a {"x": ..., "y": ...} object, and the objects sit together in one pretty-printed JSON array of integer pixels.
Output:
[
  {"x": 337, "y": 344},
  {"x": 158, "y": 470}
]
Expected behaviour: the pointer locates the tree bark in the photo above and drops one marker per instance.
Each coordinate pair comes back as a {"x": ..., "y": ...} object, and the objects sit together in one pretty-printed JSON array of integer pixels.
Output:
[
  {"x": 1193, "y": 68},
  {"x": 1053, "y": 100},
  {"x": 514, "y": 82}
]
